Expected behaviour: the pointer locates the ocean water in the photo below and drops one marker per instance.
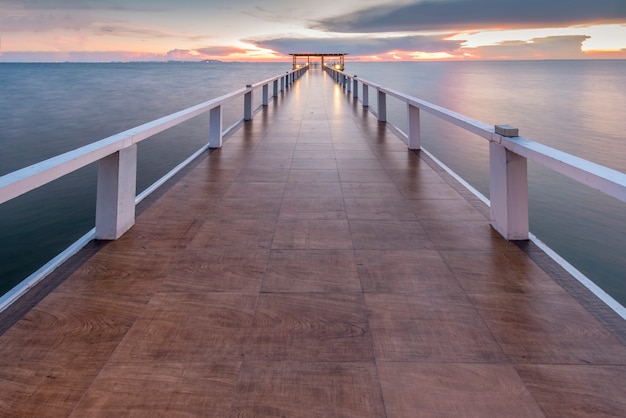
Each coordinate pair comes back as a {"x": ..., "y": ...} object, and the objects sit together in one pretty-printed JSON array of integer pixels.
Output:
[{"x": 575, "y": 106}]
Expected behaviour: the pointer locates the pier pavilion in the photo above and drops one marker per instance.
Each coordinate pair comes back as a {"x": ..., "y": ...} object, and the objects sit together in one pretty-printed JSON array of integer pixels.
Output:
[
  {"x": 311, "y": 266},
  {"x": 338, "y": 64}
]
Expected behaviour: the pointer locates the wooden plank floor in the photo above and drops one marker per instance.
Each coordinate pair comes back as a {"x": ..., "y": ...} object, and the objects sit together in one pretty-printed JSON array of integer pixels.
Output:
[{"x": 313, "y": 267}]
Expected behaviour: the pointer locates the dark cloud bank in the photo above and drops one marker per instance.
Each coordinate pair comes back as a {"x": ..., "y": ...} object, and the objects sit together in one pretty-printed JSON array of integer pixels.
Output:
[
  {"x": 455, "y": 15},
  {"x": 359, "y": 46}
]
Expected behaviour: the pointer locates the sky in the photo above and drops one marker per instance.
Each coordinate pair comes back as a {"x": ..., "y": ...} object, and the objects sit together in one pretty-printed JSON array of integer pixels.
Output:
[{"x": 368, "y": 30}]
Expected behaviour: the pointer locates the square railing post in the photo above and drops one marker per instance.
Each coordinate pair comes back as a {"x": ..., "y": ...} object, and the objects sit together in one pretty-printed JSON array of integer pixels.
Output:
[
  {"x": 275, "y": 88},
  {"x": 366, "y": 95},
  {"x": 414, "y": 127},
  {"x": 115, "y": 201},
  {"x": 355, "y": 88},
  {"x": 266, "y": 96},
  {"x": 382, "y": 106},
  {"x": 247, "y": 104},
  {"x": 348, "y": 85},
  {"x": 215, "y": 127},
  {"x": 282, "y": 83},
  {"x": 508, "y": 190}
]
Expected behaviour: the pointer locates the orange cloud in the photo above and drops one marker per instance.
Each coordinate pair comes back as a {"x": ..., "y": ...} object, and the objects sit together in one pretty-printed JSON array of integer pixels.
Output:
[{"x": 621, "y": 54}]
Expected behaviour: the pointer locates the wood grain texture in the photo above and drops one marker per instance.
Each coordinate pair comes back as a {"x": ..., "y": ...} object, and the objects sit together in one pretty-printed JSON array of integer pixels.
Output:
[
  {"x": 311, "y": 271},
  {"x": 577, "y": 391},
  {"x": 389, "y": 235},
  {"x": 310, "y": 327},
  {"x": 455, "y": 390},
  {"x": 312, "y": 235},
  {"x": 405, "y": 271},
  {"x": 70, "y": 328},
  {"x": 549, "y": 329},
  {"x": 411, "y": 327},
  {"x": 294, "y": 389},
  {"x": 195, "y": 327},
  {"x": 161, "y": 389}
]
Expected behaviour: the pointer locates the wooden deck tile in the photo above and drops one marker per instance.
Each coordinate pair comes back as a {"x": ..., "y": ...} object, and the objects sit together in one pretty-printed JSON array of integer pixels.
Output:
[
  {"x": 455, "y": 390},
  {"x": 49, "y": 389},
  {"x": 311, "y": 271},
  {"x": 417, "y": 327},
  {"x": 504, "y": 272},
  {"x": 310, "y": 327},
  {"x": 548, "y": 329},
  {"x": 405, "y": 271},
  {"x": 145, "y": 389},
  {"x": 217, "y": 269},
  {"x": 577, "y": 391},
  {"x": 389, "y": 235},
  {"x": 189, "y": 327},
  {"x": 294, "y": 389},
  {"x": 313, "y": 266},
  {"x": 312, "y": 235}
]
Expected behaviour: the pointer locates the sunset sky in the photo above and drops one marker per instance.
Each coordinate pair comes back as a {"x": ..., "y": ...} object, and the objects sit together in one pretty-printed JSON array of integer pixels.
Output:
[{"x": 239, "y": 30}]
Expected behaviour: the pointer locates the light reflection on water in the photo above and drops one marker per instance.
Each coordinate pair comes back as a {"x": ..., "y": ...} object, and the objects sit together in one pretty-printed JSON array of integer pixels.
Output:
[{"x": 574, "y": 106}]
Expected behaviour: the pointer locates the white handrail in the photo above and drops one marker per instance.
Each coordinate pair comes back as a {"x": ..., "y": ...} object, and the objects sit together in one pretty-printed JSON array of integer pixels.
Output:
[{"x": 503, "y": 170}]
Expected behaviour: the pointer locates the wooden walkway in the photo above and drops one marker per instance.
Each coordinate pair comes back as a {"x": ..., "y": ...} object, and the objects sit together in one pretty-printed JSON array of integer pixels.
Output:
[{"x": 313, "y": 267}]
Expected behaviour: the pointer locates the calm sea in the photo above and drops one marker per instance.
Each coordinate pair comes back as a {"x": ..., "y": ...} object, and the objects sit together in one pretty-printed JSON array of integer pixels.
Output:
[{"x": 575, "y": 106}]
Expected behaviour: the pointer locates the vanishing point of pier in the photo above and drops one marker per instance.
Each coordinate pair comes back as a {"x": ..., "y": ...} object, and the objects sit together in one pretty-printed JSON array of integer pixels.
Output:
[{"x": 311, "y": 267}]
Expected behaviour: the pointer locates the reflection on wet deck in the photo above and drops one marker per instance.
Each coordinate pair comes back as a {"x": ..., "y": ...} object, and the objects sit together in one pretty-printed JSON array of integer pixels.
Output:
[{"x": 313, "y": 266}]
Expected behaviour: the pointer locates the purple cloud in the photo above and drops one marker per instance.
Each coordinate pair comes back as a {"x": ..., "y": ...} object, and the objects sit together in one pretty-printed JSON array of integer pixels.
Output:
[{"x": 358, "y": 45}]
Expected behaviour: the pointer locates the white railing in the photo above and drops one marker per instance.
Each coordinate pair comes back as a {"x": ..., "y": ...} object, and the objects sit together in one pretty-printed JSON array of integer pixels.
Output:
[
  {"x": 117, "y": 170},
  {"x": 508, "y": 156}
]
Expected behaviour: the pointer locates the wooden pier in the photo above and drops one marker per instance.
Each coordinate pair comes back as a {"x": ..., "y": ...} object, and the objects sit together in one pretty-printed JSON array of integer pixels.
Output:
[{"x": 312, "y": 267}]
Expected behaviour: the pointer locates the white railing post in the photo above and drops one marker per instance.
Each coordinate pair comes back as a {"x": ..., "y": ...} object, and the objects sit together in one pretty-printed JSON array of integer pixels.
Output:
[
  {"x": 282, "y": 83},
  {"x": 275, "y": 88},
  {"x": 348, "y": 85},
  {"x": 247, "y": 104},
  {"x": 115, "y": 201},
  {"x": 215, "y": 127},
  {"x": 266, "y": 96},
  {"x": 508, "y": 188},
  {"x": 366, "y": 95},
  {"x": 414, "y": 127},
  {"x": 382, "y": 106},
  {"x": 355, "y": 88}
]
